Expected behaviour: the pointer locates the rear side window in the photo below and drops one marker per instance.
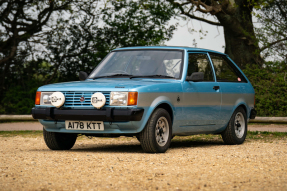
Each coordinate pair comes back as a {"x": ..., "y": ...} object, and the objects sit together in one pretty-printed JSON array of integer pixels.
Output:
[{"x": 225, "y": 70}]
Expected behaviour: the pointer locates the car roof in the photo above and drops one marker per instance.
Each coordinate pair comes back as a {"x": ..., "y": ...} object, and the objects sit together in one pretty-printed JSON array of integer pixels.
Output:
[{"x": 170, "y": 47}]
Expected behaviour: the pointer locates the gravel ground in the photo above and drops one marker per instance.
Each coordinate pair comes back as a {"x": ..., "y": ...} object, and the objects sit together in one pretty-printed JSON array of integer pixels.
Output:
[
  {"x": 268, "y": 127},
  {"x": 119, "y": 164}
]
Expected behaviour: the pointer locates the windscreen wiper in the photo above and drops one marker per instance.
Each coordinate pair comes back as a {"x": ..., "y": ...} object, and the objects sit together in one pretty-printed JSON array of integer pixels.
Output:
[
  {"x": 114, "y": 75},
  {"x": 152, "y": 76}
]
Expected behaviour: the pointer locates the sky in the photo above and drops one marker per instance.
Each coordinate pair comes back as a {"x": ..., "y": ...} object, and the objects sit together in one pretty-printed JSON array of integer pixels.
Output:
[{"x": 214, "y": 39}]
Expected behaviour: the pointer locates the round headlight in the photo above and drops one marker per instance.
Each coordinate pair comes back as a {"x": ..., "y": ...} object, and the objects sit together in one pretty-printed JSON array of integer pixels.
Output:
[
  {"x": 98, "y": 100},
  {"x": 57, "y": 99}
]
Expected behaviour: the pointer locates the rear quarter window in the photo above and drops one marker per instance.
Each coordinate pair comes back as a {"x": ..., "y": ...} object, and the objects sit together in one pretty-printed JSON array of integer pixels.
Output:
[{"x": 225, "y": 70}]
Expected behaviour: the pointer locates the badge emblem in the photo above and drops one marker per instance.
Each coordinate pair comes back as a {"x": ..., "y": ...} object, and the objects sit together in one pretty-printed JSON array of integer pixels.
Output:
[
  {"x": 95, "y": 100},
  {"x": 82, "y": 99}
]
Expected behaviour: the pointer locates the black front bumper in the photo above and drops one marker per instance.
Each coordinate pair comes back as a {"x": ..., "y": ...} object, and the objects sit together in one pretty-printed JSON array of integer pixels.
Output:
[{"x": 108, "y": 114}]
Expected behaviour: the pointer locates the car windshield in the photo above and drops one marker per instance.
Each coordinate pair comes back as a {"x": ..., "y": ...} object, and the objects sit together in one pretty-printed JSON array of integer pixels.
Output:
[{"x": 140, "y": 63}]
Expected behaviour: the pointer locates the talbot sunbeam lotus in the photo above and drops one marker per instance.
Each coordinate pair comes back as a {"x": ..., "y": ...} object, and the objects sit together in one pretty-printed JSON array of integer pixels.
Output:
[{"x": 152, "y": 93}]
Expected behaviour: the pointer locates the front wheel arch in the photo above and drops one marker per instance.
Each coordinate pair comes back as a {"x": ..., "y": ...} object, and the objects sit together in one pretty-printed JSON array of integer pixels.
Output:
[
  {"x": 153, "y": 130},
  {"x": 160, "y": 102},
  {"x": 168, "y": 108}
]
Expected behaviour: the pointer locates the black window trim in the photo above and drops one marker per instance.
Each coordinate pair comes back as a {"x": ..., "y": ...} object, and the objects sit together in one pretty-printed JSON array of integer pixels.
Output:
[
  {"x": 231, "y": 64},
  {"x": 210, "y": 63},
  {"x": 155, "y": 49}
]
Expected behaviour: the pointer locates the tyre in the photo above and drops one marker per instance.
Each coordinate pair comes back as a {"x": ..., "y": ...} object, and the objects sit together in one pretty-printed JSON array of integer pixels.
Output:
[
  {"x": 138, "y": 138},
  {"x": 156, "y": 136},
  {"x": 236, "y": 130},
  {"x": 59, "y": 141}
]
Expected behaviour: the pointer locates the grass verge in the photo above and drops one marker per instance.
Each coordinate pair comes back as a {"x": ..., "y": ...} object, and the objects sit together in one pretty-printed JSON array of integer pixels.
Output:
[
  {"x": 260, "y": 124},
  {"x": 265, "y": 135},
  {"x": 24, "y": 121},
  {"x": 21, "y": 133}
]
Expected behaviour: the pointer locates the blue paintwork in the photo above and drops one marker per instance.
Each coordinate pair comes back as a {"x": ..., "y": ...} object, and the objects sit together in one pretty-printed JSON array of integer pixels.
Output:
[
  {"x": 104, "y": 84},
  {"x": 211, "y": 116},
  {"x": 189, "y": 49}
]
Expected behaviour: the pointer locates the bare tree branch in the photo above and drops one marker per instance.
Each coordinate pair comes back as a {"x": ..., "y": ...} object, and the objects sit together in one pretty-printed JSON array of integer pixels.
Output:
[
  {"x": 192, "y": 16},
  {"x": 272, "y": 44},
  {"x": 202, "y": 19},
  {"x": 20, "y": 23},
  {"x": 213, "y": 9}
]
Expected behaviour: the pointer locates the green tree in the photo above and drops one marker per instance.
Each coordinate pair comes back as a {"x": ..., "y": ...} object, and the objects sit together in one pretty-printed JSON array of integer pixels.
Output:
[
  {"x": 272, "y": 31},
  {"x": 235, "y": 16},
  {"x": 270, "y": 85},
  {"x": 24, "y": 26},
  {"x": 21, "y": 20},
  {"x": 73, "y": 39},
  {"x": 84, "y": 42}
]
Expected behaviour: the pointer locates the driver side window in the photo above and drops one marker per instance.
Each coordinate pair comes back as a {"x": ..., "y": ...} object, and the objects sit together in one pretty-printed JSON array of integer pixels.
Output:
[{"x": 200, "y": 63}]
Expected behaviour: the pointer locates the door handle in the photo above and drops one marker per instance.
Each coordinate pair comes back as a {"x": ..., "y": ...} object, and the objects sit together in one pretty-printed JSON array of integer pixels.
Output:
[{"x": 216, "y": 87}]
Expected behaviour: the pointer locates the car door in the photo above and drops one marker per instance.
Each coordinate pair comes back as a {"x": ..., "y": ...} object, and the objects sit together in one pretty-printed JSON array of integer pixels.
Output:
[
  {"x": 201, "y": 100},
  {"x": 232, "y": 83}
]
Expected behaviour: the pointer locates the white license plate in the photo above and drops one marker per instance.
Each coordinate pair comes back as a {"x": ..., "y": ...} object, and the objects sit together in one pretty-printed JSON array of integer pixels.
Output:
[{"x": 85, "y": 125}]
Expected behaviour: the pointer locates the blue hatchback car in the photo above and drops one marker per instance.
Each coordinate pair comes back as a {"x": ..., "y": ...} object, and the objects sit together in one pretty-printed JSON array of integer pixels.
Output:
[{"x": 153, "y": 93}]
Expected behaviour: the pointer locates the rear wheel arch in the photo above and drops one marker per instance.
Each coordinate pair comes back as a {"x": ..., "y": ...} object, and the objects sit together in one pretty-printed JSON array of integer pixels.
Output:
[
  {"x": 236, "y": 130},
  {"x": 244, "y": 107},
  {"x": 238, "y": 105}
]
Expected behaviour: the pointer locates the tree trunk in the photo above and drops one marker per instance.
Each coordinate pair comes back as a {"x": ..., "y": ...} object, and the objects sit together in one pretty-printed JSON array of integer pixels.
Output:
[
  {"x": 240, "y": 42},
  {"x": 241, "y": 50}
]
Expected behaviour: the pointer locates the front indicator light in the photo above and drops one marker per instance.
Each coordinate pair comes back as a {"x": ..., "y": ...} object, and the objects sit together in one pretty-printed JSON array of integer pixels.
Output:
[
  {"x": 133, "y": 98},
  {"x": 38, "y": 98}
]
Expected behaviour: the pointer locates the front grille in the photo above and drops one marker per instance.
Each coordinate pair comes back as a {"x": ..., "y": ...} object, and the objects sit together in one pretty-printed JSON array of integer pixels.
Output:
[{"x": 73, "y": 99}]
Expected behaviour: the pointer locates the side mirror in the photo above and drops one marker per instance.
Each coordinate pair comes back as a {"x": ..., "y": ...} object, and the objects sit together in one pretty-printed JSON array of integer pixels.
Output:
[
  {"x": 196, "y": 77},
  {"x": 83, "y": 75}
]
